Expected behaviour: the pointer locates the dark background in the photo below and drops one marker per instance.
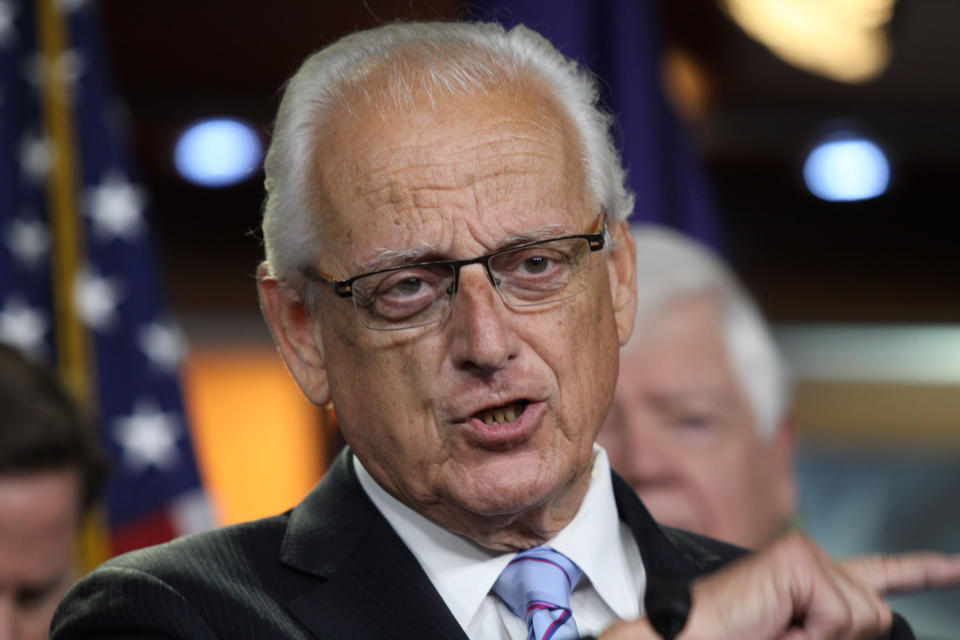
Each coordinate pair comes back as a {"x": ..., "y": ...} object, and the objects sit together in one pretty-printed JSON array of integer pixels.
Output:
[{"x": 891, "y": 259}]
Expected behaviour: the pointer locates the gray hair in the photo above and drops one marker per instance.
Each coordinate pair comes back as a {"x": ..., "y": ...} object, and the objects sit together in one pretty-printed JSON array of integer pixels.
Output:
[
  {"x": 438, "y": 58},
  {"x": 671, "y": 266}
]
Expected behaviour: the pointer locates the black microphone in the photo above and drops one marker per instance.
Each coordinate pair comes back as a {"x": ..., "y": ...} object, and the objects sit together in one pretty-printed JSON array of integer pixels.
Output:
[{"x": 667, "y": 604}]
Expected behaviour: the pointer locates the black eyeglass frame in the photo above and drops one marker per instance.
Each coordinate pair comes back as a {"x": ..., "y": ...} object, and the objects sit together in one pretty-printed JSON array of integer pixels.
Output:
[{"x": 344, "y": 288}]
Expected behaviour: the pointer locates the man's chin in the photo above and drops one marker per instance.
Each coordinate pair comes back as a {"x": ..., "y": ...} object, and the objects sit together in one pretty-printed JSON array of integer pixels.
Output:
[
  {"x": 669, "y": 508},
  {"x": 513, "y": 508},
  {"x": 504, "y": 499}
]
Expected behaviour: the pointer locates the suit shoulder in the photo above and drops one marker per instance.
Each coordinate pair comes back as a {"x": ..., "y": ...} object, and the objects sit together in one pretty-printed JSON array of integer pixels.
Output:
[
  {"x": 707, "y": 554},
  {"x": 224, "y": 583},
  {"x": 222, "y": 547}
]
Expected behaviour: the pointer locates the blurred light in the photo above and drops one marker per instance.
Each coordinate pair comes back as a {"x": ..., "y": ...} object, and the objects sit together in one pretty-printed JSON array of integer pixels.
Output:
[
  {"x": 686, "y": 84},
  {"x": 217, "y": 152},
  {"x": 848, "y": 169},
  {"x": 844, "y": 40},
  {"x": 903, "y": 354}
]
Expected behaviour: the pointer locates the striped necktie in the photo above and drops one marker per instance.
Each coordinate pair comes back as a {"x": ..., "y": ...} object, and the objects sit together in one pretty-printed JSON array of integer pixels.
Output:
[{"x": 536, "y": 586}]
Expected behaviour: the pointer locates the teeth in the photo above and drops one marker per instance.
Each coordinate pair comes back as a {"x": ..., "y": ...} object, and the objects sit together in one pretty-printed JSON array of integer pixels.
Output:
[{"x": 501, "y": 415}]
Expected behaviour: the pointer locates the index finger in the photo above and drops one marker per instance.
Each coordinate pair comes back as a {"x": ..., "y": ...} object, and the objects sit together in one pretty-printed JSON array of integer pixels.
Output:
[{"x": 913, "y": 571}]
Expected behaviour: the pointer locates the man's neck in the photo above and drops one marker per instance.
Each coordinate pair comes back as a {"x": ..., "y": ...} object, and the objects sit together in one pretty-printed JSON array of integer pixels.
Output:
[{"x": 503, "y": 532}]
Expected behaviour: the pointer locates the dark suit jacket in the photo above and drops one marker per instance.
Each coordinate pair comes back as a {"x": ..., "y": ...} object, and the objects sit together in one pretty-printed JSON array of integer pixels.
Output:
[{"x": 330, "y": 568}]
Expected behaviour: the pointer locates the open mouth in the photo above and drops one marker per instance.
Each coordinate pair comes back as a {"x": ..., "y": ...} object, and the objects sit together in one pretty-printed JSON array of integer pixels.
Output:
[{"x": 502, "y": 415}]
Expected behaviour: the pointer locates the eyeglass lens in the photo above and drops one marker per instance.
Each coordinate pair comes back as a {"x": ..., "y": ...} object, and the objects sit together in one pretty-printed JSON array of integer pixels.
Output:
[{"x": 417, "y": 295}]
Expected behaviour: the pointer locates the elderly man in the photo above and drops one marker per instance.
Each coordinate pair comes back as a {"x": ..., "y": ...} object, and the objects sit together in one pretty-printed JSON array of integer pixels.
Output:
[
  {"x": 700, "y": 424},
  {"x": 51, "y": 472},
  {"x": 448, "y": 263}
]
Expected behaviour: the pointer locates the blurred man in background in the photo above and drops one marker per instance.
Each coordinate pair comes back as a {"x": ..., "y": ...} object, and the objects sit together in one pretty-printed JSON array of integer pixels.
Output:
[
  {"x": 700, "y": 423},
  {"x": 51, "y": 472}
]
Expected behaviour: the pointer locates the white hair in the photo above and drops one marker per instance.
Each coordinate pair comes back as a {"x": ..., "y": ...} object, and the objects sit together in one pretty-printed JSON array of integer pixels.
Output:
[
  {"x": 435, "y": 58},
  {"x": 670, "y": 267}
]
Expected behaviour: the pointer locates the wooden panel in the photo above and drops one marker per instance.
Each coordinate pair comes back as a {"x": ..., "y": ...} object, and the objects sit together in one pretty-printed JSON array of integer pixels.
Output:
[
  {"x": 880, "y": 414},
  {"x": 259, "y": 441}
]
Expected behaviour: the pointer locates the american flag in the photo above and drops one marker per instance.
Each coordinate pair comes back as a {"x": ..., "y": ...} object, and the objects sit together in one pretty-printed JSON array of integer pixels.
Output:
[{"x": 77, "y": 282}]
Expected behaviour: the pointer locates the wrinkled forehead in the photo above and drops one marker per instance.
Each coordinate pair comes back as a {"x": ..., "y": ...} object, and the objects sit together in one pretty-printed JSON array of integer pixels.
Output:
[{"x": 454, "y": 173}]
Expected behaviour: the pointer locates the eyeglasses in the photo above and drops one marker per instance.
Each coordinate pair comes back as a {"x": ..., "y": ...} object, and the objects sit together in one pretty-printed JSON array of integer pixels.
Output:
[{"x": 526, "y": 275}]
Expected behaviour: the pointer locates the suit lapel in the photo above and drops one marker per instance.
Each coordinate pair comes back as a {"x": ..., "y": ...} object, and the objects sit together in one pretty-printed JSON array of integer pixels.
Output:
[
  {"x": 369, "y": 584},
  {"x": 661, "y": 559}
]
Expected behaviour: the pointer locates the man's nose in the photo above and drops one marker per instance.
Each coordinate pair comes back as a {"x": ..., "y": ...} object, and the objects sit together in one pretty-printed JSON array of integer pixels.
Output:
[{"x": 482, "y": 339}]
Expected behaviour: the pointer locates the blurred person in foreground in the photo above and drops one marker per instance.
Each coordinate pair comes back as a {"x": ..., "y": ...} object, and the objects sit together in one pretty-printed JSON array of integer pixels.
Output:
[
  {"x": 51, "y": 473},
  {"x": 700, "y": 425},
  {"x": 448, "y": 262}
]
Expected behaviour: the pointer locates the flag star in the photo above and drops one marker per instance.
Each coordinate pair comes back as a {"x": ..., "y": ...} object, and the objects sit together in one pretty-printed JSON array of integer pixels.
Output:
[
  {"x": 191, "y": 512},
  {"x": 33, "y": 67},
  {"x": 66, "y": 67},
  {"x": 164, "y": 344},
  {"x": 36, "y": 157},
  {"x": 96, "y": 299},
  {"x": 22, "y": 326},
  {"x": 116, "y": 207},
  {"x": 148, "y": 437},
  {"x": 7, "y": 32},
  {"x": 29, "y": 241},
  {"x": 69, "y": 65}
]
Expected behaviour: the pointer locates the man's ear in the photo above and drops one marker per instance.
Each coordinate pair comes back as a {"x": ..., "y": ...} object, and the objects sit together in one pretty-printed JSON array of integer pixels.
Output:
[
  {"x": 294, "y": 331},
  {"x": 622, "y": 269}
]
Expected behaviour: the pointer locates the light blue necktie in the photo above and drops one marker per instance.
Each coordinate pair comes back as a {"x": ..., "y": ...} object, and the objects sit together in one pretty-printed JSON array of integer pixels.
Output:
[{"x": 536, "y": 586}]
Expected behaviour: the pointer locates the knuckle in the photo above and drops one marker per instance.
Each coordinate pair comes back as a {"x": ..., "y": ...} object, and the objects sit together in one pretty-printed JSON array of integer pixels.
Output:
[
  {"x": 796, "y": 543},
  {"x": 847, "y": 622},
  {"x": 884, "y": 617}
]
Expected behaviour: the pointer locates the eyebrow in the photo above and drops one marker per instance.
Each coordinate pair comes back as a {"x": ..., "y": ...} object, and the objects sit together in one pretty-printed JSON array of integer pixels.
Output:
[
  {"x": 389, "y": 258},
  {"x": 544, "y": 232}
]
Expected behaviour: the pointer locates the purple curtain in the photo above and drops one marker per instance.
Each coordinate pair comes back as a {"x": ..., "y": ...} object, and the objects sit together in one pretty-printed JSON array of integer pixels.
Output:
[{"x": 619, "y": 40}]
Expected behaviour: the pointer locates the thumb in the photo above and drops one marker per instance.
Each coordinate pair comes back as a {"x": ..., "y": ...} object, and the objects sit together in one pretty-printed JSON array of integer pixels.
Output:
[
  {"x": 638, "y": 629},
  {"x": 886, "y": 573}
]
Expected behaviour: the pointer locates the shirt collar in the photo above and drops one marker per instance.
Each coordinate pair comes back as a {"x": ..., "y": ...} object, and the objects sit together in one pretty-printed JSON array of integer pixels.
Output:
[
  {"x": 464, "y": 573},
  {"x": 461, "y": 571},
  {"x": 593, "y": 541}
]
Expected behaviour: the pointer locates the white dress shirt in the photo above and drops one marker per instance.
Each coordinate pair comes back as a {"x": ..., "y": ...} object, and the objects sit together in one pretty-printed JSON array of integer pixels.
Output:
[{"x": 463, "y": 572}]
